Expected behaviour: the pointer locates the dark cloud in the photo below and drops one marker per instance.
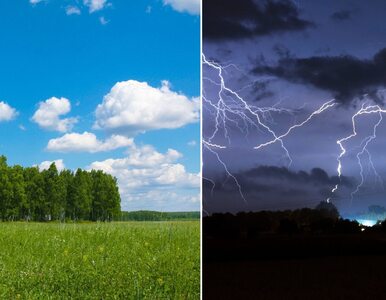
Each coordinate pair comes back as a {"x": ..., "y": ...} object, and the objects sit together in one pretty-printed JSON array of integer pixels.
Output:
[
  {"x": 341, "y": 15},
  {"x": 316, "y": 176},
  {"x": 224, "y": 52},
  {"x": 323, "y": 50},
  {"x": 261, "y": 92},
  {"x": 346, "y": 76},
  {"x": 233, "y": 20},
  {"x": 282, "y": 51},
  {"x": 271, "y": 187}
]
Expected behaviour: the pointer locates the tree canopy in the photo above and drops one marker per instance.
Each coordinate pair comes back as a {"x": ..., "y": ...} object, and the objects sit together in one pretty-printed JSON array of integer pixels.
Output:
[{"x": 31, "y": 194}]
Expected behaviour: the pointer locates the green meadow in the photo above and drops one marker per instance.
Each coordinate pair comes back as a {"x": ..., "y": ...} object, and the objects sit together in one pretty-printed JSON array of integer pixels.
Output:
[{"x": 118, "y": 260}]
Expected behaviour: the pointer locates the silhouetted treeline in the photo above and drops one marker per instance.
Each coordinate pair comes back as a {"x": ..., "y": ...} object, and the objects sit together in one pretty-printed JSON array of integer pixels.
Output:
[
  {"x": 146, "y": 215},
  {"x": 323, "y": 219},
  {"x": 30, "y": 194}
]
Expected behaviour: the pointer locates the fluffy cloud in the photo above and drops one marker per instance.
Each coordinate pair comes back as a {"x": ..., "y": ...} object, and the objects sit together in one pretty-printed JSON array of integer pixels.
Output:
[
  {"x": 48, "y": 115},
  {"x": 7, "y": 113},
  {"x": 103, "y": 20},
  {"x": 46, "y": 164},
  {"x": 132, "y": 107},
  {"x": 72, "y": 10},
  {"x": 87, "y": 142},
  {"x": 161, "y": 200},
  {"x": 92, "y": 5},
  {"x": 35, "y": 1},
  {"x": 95, "y": 5},
  {"x": 189, "y": 6},
  {"x": 192, "y": 143},
  {"x": 146, "y": 176}
]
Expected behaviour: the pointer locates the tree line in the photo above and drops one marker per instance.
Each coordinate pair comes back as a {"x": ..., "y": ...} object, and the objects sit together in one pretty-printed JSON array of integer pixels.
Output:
[
  {"x": 148, "y": 215},
  {"x": 324, "y": 218},
  {"x": 47, "y": 195}
]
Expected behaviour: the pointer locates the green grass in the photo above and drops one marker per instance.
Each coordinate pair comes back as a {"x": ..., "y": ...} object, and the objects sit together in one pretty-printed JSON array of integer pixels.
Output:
[{"x": 146, "y": 260}]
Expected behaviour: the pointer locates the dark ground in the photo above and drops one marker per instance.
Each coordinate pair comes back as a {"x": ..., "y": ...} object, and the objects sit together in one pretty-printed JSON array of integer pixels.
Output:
[{"x": 296, "y": 267}]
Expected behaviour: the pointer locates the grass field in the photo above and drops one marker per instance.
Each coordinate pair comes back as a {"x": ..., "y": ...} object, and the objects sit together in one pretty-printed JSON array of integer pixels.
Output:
[{"x": 129, "y": 260}]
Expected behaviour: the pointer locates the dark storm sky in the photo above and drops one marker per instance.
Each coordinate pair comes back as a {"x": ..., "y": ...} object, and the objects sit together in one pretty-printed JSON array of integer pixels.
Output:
[{"x": 296, "y": 55}]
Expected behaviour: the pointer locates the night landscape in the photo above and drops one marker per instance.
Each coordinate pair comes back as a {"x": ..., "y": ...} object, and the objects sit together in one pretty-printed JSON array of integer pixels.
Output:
[{"x": 293, "y": 149}]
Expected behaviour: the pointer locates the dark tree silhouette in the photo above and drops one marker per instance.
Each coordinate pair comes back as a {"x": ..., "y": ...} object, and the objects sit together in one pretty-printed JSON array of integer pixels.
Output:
[{"x": 328, "y": 210}]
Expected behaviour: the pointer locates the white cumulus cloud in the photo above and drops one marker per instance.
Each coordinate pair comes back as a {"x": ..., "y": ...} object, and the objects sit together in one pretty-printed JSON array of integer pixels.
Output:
[
  {"x": 46, "y": 164},
  {"x": 190, "y": 6},
  {"x": 87, "y": 142},
  {"x": 103, "y": 20},
  {"x": 192, "y": 143},
  {"x": 95, "y": 5},
  {"x": 75, "y": 8},
  {"x": 35, "y": 1},
  {"x": 132, "y": 107},
  {"x": 72, "y": 10},
  {"x": 149, "y": 179},
  {"x": 7, "y": 113},
  {"x": 48, "y": 114}
]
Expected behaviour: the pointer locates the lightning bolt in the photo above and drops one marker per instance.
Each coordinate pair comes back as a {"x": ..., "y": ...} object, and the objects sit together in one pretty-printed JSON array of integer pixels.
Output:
[
  {"x": 230, "y": 108},
  {"x": 364, "y": 110},
  {"x": 325, "y": 106},
  {"x": 226, "y": 170}
]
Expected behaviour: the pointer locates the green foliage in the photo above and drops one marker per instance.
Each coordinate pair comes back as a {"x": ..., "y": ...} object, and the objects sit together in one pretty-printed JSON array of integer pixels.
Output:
[
  {"x": 28, "y": 194},
  {"x": 117, "y": 260},
  {"x": 105, "y": 192},
  {"x": 147, "y": 215}
]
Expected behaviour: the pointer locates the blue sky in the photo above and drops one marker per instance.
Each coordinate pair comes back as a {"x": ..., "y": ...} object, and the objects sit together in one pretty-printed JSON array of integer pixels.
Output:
[{"x": 60, "y": 59}]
